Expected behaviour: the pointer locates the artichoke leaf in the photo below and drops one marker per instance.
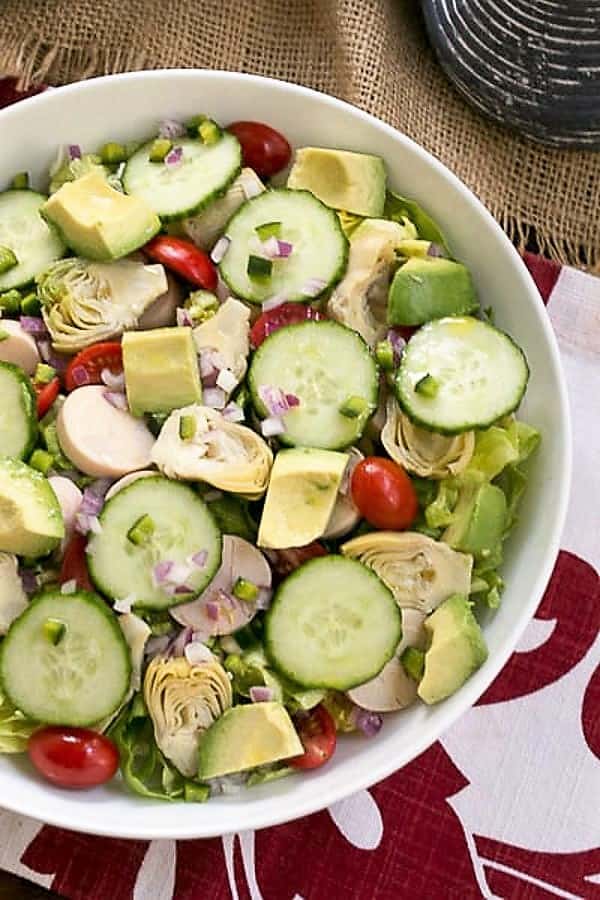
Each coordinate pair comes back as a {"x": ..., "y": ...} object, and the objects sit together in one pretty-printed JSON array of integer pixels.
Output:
[
  {"x": 13, "y": 599},
  {"x": 229, "y": 456},
  {"x": 420, "y": 572},
  {"x": 183, "y": 701},
  {"x": 85, "y": 302},
  {"x": 205, "y": 228},
  {"x": 424, "y": 453},
  {"x": 228, "y": 333},
  {"x": 360, "y": 299}
]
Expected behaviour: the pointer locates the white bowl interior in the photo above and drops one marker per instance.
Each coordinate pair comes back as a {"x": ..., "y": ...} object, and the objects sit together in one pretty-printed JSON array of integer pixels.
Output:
[{"x": 127, "y": 107}]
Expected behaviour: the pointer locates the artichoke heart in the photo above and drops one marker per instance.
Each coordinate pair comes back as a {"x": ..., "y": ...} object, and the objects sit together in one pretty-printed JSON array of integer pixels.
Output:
[
  {"x": 84, "y": 302},
  {"x": 423, "y": 452},
  {"x": 227, "y": 332},
  {"x": 229, "y": 456},
  {"x": 183, "y": 701},
  {"x": 360, "y": 299},
  {"x": 420, "y": 572},
  {"x": 205, "y": 228}
]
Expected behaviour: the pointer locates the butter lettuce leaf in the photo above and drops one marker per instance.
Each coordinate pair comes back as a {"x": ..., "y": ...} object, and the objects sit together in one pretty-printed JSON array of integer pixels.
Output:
[
  {"x": 15, "y": 728},
  {"x": 400, "y": 209}
]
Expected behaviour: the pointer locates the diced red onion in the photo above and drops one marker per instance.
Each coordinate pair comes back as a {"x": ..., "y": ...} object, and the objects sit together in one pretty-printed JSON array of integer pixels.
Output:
[
  {"x": 171, "y": 128},
  {"x": 174, "y": 157},
  {"x": 212, "y": 610},
  {"x": 74, "y": 151},
  {"x": 292, "y": 400},
  {"x": 29, "y": 580},
  {"x": 270, "y": 248},
  {"x": 260, "y": 694},
  {"x": 313, "y": 287},
  {"x": 284, "y": 249},
  {"x": 273, "y": 302},
  {"x": 233, "y": 413},
  {"x": 117, "y": 399},
  {"x": 57, "y": 360},
  {"x": 160, "y": 571},
  {"x": 179, "y": 573},
  {"x": 33, "y": 325},
  {"x": 215, "y": 397},
  {"x": 68, "y": 587},
  {"x": 272, "y": 426},
  {"x": 197, "y": 653},
  {"x": 220, "y": 249},
  {"x": 209, "y": 496},
  {"x": 156, "y": 646},
  {"x": 436, "y": 251},
  {"x": 112, "y": 381},
  {"x": 178, "y": 644},
  {"x": 366, "y": 721},
  {"x": 226, "y": 380},
  {"x": 183, "y": 318},
  {"x": 398, "y": 344},
  {"x": 183, "y": 589},
  {"x": 199, "y": 559},
  {"x": 80, "y": 376},
  {"x": 222, "y": 291},
  {"x": 277, "y": 402},
  {"x": 91, "y": 502},
  {"x": 124, "y": 605}
]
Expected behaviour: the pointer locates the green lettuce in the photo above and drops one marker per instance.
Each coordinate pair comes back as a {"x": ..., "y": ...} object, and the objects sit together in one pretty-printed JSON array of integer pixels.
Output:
[
  {"x": 15, "y": 728},
  {"x": 232, "y": 515},
  {"x": 400, "y": 209},
  {"x": 251, "y": 669}
]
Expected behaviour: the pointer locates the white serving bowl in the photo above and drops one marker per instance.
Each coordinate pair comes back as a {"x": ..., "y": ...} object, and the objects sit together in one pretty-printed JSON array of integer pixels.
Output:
[{"x": 125, "y": 107}]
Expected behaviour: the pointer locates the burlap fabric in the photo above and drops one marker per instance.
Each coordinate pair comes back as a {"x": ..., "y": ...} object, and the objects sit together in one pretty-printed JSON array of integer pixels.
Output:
[{"x": 373, "y": 53}]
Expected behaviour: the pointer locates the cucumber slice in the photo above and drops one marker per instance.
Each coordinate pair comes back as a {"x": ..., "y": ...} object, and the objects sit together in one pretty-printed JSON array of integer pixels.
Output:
[
  {"x": 319, "y": 254},
  {"x": 182, "y": 526},
  {"x": 323, "y": 364},
  {"x": 206, "y": 171},
  {"x": 18, "y": 417},
  {"x": 78, "y": 675},
  {"x": 333, "y": 624},
  {"x": 35, "y": 243},
  {"x": 479, "y": 372}
]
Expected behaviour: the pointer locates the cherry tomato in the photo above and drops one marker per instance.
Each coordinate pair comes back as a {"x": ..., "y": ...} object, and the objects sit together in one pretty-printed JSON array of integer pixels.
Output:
[
  {"x": 285, "y": 314},
  {"x": 106, "y": 355},
  {"x": 264, "y": 149},
  {"x": 283, "y": 562},
  {"x": 317, "y": 733},
  {"x": 73, "y": 757},
  {"x": 74, "y": 563},
  {"x": 46, "y": 394},
  {"x": 383, "y": 493},
  {"x": 185, "y": 259}
]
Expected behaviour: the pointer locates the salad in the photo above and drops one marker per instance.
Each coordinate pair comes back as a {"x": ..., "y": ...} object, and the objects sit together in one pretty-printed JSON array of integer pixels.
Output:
[{"x": 258, "y": 460}]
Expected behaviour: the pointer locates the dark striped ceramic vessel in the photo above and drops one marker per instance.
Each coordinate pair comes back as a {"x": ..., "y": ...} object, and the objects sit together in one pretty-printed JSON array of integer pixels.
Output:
[{"x": 531, "y": 64}]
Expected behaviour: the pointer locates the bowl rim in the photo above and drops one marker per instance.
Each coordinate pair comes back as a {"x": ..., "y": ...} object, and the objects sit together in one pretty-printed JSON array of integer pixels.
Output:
[{"x": 149, "y": 827}]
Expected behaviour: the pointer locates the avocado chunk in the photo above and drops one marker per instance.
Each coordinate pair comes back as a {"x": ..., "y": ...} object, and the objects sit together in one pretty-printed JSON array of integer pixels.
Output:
[
  {"x": 248, "y": 736},
  {"x": 423, "y": 289},
  {"x": 161, "y": 370},
  {"x": 97, "y": 221},
  {"x": 354, "y": 182},
  {"x": 456, "y": 649},
  {"x": 301, "y": 495},
  {"x": 31, "y": 522},
  {"x": 478, "y": 520}
]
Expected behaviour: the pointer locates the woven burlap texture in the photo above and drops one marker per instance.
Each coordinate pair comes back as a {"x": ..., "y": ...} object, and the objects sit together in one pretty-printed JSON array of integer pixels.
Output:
[{"x": 373, "y": 53}]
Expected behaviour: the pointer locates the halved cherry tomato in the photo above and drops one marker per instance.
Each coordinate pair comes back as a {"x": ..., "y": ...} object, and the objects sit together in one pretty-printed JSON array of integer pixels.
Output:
[
  {"x": 74, "y": 563},
  {"x": 185, "y": 259},
  {"x": 264, "y": 149},
  {"x": 317, "y": 733},
  {"x": 283, "y": 562},
  {"x": 73, "y": 757},
  {"x": 106, "y": 355},
  {"x": 383, "y": 493},
  {"x": 285, "y": 314},
  {"x": 45, "y": 395}
]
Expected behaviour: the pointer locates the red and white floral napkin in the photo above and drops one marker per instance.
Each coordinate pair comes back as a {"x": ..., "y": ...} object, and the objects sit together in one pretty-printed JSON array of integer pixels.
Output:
[{"x": 506, "y": 805}]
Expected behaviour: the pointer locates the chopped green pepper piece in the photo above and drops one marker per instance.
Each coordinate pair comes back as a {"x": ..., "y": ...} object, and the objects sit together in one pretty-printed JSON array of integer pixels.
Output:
[
  {"x": 259, "y": 267},
  {"x": 192, "y": 125},
  {"x": 8, "y": 260},
  {"x": 112, "y": 153},
  {"x": 187, "y": 428},
  {"x": 42, "y": 461},
  {"x": 141, "y": 531},
  {"x": 159, "y": 149},
  {"x": 209, "y": 132},
  {"x": 20, "y": 182},
  {"x": 384, "y": 354},
  {"x": 44, "y": 373},
  {"x": 201, "y": 305},
  {"x": 427, "y": 386},
  {"x": 54, "y": 631},
  {"x": 269, "y": 229},
  {"x": 195, "y": 793},
  {"x": 413, "y": 661},
  {"x": 245, "y": 590},
  {"x": 4, "y": 335},
  {"x": 30, "y": 304},
  {"x": 10, "y": 302},
  {"x": 354, "y": 406}
]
